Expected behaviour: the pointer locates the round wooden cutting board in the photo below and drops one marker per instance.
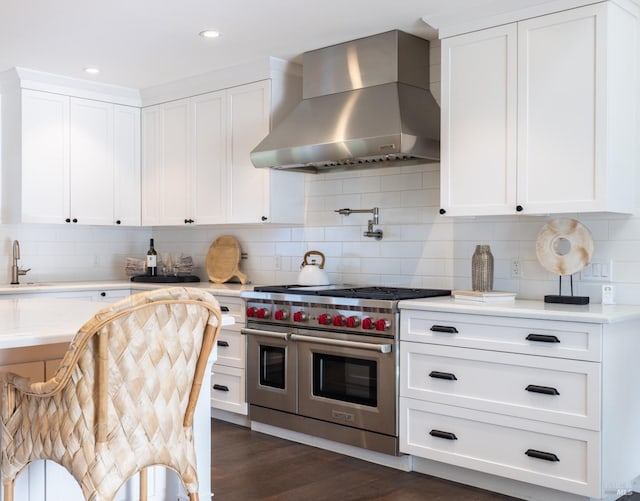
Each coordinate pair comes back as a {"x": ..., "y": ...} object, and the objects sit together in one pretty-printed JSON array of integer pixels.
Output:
[{"x": 223, "y": 260}]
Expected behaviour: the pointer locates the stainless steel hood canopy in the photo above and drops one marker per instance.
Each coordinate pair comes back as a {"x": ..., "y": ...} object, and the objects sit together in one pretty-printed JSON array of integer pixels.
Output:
[{"x": 366, "y": 104}]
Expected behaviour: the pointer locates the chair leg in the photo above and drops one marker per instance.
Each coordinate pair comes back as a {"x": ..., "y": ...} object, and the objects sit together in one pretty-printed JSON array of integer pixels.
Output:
[
  {"x": 8, "y": 490},
  {"x": 193, "y": 496},
  {"x": 143, "y": 484}
]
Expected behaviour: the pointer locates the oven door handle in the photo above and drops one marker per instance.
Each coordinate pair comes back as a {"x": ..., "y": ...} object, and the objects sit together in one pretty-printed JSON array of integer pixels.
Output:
[
  {"x": 382, "y": 348},
  {"x": 258, "y": 332}
]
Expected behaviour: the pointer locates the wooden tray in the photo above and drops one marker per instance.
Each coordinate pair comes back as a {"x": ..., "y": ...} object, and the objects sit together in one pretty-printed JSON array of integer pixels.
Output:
[{"x": 223, "y": 260}]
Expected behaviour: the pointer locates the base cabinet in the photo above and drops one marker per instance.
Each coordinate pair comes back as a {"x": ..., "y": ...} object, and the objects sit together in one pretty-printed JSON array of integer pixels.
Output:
[
  {"x": 228, "y": 373},
  {"x": 533, "y": 399}
]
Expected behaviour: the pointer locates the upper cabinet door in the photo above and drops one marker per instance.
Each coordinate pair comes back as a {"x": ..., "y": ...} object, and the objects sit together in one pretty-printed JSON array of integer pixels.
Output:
[
  {"x": 126, "y": 163},
  {"x": 248, "y": 118},
  {"x": 91, "y": 162},
  {"x": 126, "y": 160},
  {"x": 209, "y": 125},
  {"x": 478, "y": 174},
  {"x": 45, "y": 157},
  {"x": 572, "y": 113}
]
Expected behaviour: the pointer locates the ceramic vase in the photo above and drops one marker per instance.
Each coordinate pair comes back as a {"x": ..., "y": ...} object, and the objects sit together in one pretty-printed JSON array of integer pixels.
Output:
[{"x": 482, "y": 269}]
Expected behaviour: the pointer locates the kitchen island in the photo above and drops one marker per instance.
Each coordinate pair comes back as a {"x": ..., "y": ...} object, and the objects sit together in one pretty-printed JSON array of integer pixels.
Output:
[{"x": 34, "y": 335}]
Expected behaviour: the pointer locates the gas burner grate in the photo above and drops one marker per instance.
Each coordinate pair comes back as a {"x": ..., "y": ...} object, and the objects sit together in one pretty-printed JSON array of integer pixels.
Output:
[{"x": 388, "y": 293}]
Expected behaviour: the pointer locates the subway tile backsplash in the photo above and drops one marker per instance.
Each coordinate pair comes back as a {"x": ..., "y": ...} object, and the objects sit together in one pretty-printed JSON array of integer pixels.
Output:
[{"x": 420, "y": 248}]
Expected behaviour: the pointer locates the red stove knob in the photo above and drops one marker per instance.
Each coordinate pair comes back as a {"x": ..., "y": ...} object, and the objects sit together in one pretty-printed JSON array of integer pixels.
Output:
[
  {"x": 353, "y": 322},
  {"x": 324, "y": 319},
  {"x": 367, "y": 323},
  {"x": 281, "y": 314},
  {"x": 382, "y": 324},
  {"x": 263, "y": 313},
  {"x": 251, "y": 311},
  {"x": 299, "y": 316},
  {"x": 338, "y": 320}
]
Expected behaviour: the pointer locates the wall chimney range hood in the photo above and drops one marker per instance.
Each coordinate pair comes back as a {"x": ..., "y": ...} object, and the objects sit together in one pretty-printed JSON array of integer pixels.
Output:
[{"x": 366, "y": 104}]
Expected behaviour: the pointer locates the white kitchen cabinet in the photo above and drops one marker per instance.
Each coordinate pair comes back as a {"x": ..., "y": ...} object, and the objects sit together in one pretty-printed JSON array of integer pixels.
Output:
[
  {"x": 184, "y": 161},
  {"x": 522, "y": 393},
  {"x": 196, "y": 164},
  {"x": 80, "y": 160},
  {"x": 539, "y": 116},
  {"x": 228, "y": 372}
]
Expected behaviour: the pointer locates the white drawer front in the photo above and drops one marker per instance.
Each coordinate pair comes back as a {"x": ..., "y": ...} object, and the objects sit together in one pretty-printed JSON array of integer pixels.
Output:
[
  {"x": 499, "y": 445},
  {"x": 234, "y": 305},
  {"x": 231, "y": 347},
  {"x": 228, "y": 389},
  {"x": 559, "y": 391},
  {"x": 576, "y": 340}
]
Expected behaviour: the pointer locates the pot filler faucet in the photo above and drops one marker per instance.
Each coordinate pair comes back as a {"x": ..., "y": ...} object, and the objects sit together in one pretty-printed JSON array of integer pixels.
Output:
[
  {"x": 15, "y": 270},
  {"x": 377, "y": 234}
]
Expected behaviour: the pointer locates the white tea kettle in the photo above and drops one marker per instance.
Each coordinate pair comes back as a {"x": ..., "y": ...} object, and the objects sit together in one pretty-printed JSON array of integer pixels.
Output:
[{"x": 312, "y": 273}]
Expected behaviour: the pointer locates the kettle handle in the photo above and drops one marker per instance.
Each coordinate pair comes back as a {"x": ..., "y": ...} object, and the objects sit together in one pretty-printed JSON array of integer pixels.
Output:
[{"x": 307, "y": 254}]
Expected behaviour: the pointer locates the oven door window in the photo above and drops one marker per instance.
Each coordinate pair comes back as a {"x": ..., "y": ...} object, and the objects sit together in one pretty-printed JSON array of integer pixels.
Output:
[
  {"x": 347, "y": 379},
  {"x": 273, "y": 366}
]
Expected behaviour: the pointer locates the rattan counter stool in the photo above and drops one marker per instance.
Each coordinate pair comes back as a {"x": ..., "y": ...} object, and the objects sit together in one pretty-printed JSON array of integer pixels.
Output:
[{"x": 123, "y": 398}]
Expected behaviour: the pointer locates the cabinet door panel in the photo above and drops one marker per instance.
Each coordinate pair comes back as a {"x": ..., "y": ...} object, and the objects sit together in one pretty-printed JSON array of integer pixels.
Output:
[
  {"x": 248, "y": 117},
  {"x": 45, "y": 157},
  {"x": 126, "y": 151},
  {"x": 91, "y": 161},
  {"x": 151, "y": 165},
  {"x": 177, "y": 180},
  {"x": 559, "y": 99},
  {"x": 209, "y": 161},
  {"x": 479, "y": 122}
]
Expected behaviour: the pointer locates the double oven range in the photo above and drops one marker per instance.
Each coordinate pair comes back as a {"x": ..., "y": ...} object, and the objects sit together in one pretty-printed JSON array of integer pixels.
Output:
[{"x": 324, "y": 360}]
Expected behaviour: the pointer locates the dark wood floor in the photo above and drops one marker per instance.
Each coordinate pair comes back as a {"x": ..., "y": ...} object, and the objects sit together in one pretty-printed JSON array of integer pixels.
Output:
[{"x": 247, "y": 465}]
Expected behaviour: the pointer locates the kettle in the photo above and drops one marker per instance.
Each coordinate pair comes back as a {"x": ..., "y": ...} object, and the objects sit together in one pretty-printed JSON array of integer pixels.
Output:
[{"x": 312, "y": 273}]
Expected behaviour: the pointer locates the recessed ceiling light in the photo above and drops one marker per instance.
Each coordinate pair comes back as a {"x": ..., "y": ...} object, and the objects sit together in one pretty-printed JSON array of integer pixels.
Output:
[
  {"x": 209, "y": 34},
  {"x": 92, "y": 71}
]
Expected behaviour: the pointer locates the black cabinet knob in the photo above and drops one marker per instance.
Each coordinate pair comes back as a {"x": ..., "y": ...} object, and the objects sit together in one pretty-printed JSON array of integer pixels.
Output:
[
  {"x": 103, "y": 294},
  {"x": 188, "y": 221},
  {"x": 519, "y": 208},
  {"x": 264, "y": 218},
  {"x": 67, "y": 220},
  {"x": 442, "y": 211},
  {"x": 118, "y": 221},
  {"x": 75, "y": 220}
]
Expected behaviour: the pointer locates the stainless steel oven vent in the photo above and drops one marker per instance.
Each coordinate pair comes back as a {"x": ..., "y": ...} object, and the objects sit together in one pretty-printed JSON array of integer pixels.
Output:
[{"x": 366, "y": 104}]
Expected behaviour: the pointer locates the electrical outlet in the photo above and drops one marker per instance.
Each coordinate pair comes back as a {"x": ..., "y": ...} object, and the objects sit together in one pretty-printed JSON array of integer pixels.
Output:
[{"x": 516, "y": 268}]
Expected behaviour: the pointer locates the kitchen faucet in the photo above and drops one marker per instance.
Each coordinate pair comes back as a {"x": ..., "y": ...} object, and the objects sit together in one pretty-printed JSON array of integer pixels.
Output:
[
  {"x": 377, "y": 234},
  {"x": 15, "y": 270}
]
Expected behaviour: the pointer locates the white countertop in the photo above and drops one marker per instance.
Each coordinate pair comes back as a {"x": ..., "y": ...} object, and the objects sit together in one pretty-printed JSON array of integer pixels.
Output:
[
  {"x": 38, "y": 321},
  {"x": 30, "y": 287},
  {"x": 591, "y": 313}
]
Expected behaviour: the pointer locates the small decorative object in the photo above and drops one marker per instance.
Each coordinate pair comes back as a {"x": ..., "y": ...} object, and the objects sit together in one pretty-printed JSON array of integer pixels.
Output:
[
  {"x": 564, "y": 246},
  {"x": 482, "y": 269}
]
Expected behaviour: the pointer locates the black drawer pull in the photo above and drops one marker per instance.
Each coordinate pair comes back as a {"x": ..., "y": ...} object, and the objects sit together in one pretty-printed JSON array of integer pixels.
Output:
[
  {"x": 224, "y": 308},
  {"x": 443, "y": 375},
  {"x": 547, "y": 390},
  {"x": 220, "y": 387},
  {"x": 223, "y": 344},
  {"x": 543, "y": 338},
  {"x": 444, "y": 328},
  {"x": 443, "y": 434},
  {"x": 547, "y": 456}
]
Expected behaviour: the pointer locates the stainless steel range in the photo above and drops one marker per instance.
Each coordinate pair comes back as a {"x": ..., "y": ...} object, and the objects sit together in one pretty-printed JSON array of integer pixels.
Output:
[{"x": 324, "y": 360}]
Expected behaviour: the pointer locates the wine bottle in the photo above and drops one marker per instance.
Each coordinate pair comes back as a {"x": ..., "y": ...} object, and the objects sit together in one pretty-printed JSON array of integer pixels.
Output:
[{"x": 152, "y": 260}]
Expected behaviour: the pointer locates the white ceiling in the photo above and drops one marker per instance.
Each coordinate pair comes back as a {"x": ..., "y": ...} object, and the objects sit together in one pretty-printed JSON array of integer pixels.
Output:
[{"x": 140, "y": 43}]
